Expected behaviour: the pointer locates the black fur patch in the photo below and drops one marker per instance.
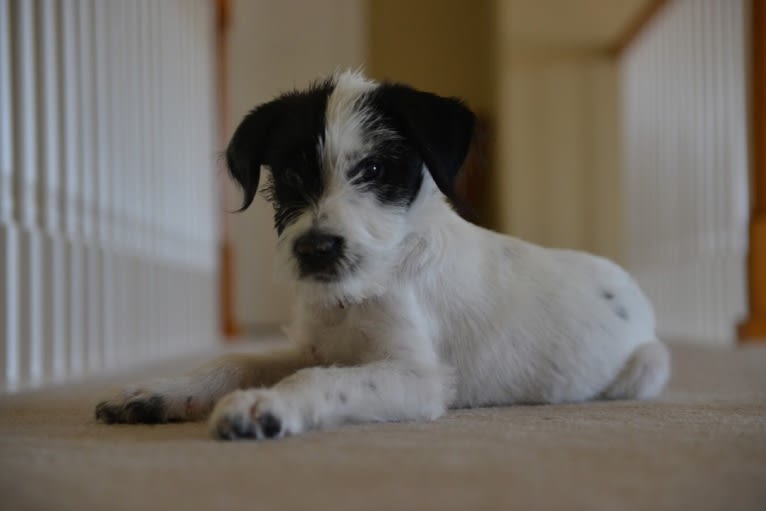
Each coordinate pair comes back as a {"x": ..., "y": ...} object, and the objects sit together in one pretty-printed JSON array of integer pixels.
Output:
[
  {"x": 622, "y": 312},
  {"x": 284, "y": 135},
  {"x": 393, "y": 170},
  {"x": 440, "y": 130}
]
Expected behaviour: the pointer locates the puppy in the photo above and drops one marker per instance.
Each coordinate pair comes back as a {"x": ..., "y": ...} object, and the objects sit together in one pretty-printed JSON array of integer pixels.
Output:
[{"x": 404, "y": 309}]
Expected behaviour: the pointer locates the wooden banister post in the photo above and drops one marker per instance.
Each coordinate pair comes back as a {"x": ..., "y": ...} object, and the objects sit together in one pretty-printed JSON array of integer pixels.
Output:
[{"x": 754, "y": 328}]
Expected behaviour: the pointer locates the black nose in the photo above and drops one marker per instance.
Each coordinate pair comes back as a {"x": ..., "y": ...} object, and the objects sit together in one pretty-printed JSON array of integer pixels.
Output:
[{"x": 318, "y": 252}]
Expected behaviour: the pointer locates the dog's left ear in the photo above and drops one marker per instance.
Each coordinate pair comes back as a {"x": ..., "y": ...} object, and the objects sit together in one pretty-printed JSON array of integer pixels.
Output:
[{"x": 440, "y": 128}]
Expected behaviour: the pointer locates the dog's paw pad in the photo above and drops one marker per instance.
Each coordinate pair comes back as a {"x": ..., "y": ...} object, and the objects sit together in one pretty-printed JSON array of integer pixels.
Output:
[
  {"x": 137, "y": 408},
  {"x": 149, "y": 410},
  {"x": 246, "y": 414},
  {"x": 270, "y": 425},
  {"x": 232, "y": 426},
  {"x": 108, "y": 412}
]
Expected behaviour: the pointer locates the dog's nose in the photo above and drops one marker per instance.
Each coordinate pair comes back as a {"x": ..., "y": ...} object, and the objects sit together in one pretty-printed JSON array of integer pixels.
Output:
[
  {"x": 317, "y": 244},
  {"x": 317, "y": 251}
]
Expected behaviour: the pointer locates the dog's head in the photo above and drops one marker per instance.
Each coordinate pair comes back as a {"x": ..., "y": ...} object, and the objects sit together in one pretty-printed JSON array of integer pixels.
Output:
[{"x": 349, "y": 163}]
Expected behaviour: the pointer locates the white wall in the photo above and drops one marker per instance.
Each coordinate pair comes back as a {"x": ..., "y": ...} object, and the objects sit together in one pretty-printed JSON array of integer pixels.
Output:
[
  {"x": 684, "y": 87},
  {"x": 276, "y": 45},
  {"x": 107, "y": 210}
]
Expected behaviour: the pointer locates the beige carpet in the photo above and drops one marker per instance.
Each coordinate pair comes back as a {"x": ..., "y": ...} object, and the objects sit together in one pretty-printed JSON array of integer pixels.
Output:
[{"x": 702, "y": 446}]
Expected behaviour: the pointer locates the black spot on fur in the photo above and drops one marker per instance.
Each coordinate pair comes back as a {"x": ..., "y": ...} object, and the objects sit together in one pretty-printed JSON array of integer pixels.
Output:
[
  {"x": 607, "y": 295},
  {"x": 371, "y": 385},
  {"x": 621, "y": 312},
  {"x": 270, "y": 425},
  {"x": 343, "y": 398}
]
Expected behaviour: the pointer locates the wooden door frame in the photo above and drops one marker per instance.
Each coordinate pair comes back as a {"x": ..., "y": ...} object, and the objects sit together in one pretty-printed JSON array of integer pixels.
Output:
[
  {"x": 753, "y": 329},
  {"x": 227, "y": 317}
]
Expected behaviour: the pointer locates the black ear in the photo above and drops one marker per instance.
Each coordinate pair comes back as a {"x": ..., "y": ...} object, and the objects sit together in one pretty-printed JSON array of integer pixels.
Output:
[
  {"x": 440, "y": 128},
  {"x": 247, "y": 149}
]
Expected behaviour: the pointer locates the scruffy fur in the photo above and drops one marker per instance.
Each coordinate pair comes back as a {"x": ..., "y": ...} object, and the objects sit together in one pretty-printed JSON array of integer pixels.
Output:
[{"x": 404, "y": 309}]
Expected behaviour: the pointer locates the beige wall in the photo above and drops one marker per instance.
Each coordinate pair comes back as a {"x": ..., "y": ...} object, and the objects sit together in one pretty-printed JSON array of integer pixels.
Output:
[
  {"x": 558, "y": 162},
  {"x": 443, "y": 46},
  {"x": 275, "y": 45},
  {"x": 557, "y": 148}
]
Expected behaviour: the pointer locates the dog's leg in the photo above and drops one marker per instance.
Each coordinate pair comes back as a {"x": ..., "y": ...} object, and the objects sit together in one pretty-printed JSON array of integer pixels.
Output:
[
  {"x": 192, "y": 396},
  {"x": 318, "y": 397}
]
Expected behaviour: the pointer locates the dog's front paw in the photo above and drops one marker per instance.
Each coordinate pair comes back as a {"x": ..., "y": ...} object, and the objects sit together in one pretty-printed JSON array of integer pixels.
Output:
[
  {"x": 255, "y": 413},
  {"x": 133, "y": 406}
]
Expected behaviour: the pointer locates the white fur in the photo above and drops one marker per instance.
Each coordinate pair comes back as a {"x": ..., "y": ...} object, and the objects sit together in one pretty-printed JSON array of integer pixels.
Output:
[{"x": 441, "y": 313}]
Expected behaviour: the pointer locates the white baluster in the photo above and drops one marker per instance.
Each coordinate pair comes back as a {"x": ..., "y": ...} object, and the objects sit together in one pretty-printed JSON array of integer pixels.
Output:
[
  {"x": 104, "y": 51},
  {"x": 149, "y": 171},
  {"x": 738, "y": 37},
  {"x": 175, "y": 178},
  {"x": 26, "y": 183},
  {"x": 89, "y": 186},
  {"x": 9, "y": 362},
  {"x": 73, "y": 186},
  {"x": 134, "y": 196},
  {"x": 54, "y": 296},
  {"x": 121, "y": 169}
]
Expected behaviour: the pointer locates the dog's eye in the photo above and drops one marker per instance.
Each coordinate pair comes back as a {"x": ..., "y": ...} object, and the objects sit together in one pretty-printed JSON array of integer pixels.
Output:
[
  {"x": 373, "y": 168},
  {"x": 368, "y": 169}
]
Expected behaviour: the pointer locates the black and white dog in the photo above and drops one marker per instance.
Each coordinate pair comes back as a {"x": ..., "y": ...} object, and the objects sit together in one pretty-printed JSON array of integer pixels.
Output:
[{"x": 404, "y": 309}]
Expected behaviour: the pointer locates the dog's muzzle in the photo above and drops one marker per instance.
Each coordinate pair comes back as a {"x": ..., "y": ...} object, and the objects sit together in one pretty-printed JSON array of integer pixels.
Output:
[{"x": 319, "y": 254}]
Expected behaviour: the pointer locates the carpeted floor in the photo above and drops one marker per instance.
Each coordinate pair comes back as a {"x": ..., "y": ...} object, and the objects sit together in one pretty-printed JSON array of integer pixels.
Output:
[{"x": 701, "y": 446}]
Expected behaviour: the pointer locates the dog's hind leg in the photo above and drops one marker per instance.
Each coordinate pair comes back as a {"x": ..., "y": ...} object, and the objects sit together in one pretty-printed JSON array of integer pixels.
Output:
[
  {"x": 644, "y": 374},
  {"x": 192, "y": 396}
]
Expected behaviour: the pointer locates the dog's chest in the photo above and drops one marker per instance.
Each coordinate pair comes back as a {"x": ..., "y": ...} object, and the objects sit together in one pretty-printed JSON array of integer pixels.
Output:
[{"x": 338, "y": 336}]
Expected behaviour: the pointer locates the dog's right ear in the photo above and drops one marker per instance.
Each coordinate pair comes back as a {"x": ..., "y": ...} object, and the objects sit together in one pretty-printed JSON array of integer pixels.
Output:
[{"x": 247, "y": 149}]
